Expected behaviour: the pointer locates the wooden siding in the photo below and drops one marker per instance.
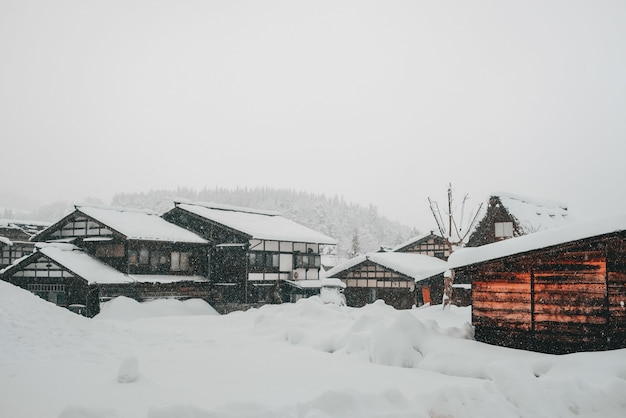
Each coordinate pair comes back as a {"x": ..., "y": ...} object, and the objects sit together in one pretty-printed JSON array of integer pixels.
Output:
[
  {"x": 10, "y": 253},
  {"x": 368, "y": 282},
  {"x": 51, "y": 282},
  {"x": 431, "y": 245},
  {"x": 80, "y": 226},
  {"x": 616, "y": 293},
  {"x": 565, "y": 300}
]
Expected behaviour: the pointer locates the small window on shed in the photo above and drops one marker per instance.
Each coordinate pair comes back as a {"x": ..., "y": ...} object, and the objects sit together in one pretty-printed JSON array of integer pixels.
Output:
[{"x": 504, "y": 229}]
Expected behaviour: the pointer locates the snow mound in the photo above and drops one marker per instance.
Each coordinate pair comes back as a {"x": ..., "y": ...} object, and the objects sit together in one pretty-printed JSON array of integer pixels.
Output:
[
  {"x": 127, "y": 309},
  {"x": 129, "y": 370},
  {"x": 377, "y": 332}
]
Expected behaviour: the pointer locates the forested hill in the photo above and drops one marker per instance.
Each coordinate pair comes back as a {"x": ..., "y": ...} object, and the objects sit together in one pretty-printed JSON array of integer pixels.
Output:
[{"x": 353, "y": 226}]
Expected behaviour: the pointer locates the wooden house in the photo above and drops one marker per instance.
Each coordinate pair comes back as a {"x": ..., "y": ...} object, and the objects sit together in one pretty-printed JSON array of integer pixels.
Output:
[
  {"x": 427, "y": 244},
  {"x": 14, "y": 239},
  {"x": 401, "y": 279},
  {"x": 508, "y": 215},
  {"x": 68, "y": 276},
  {"x": 131, "y": 241},
  {"x": 146, "y": 257},
  {"x": 557, "y": 291},
  {"x": 255, "y": 256}
]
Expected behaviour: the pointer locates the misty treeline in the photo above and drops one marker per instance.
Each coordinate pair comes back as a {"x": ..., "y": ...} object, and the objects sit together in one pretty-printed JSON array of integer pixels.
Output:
[{"x": 356, "y": 228}]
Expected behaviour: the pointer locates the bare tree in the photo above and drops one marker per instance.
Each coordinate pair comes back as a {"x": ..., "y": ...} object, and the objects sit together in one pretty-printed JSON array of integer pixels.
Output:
[{"x": 455, "y": 233}]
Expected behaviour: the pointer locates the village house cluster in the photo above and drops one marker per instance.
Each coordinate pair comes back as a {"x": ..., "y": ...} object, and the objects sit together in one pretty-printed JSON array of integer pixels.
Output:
[{"x": 535, "y": 278}]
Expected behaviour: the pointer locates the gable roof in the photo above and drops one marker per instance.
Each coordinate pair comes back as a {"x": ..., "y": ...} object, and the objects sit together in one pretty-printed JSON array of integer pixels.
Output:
[
  {"x": 415, "y": 266},
  {"x": 89, "y": 268},
  {"x": 255, "y": 224},
  {"x": 133, "y": 224},
  {"x": 76, "y": 261},
  {"x": 415, "y": 240},
  {"x": 539, "y": 240},
  {"x": 534, "y": 215}
]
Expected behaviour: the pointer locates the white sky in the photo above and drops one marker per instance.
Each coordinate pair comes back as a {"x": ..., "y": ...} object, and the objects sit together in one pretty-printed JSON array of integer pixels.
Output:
[{"x": 383, "y": 102}]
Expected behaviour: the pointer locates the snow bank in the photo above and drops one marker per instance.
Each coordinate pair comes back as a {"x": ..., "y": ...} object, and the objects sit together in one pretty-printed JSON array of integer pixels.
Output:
[
  {"x": 307, "y": 359},
  {"x": 127, "y": 309}
]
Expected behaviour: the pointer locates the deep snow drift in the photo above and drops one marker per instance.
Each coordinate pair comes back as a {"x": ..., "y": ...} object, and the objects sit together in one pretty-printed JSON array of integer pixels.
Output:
[{"x": 293, "y": 360}]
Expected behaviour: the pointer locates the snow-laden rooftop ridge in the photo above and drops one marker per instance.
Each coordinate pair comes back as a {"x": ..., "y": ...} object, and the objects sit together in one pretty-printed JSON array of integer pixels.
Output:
[
  {"x": 543, "y": 239},
  {"x": 115, "y": 209},
  {"x": 259, "y": 226},
  {"x": 416, "y": 266},
  {"x": 413, "y": 240},
  {"x": 17, "y": 222},
  {"x": 219, "y": 206},
  {"x": 531, "y": 200},
  {"x": 140, "y": 225}
]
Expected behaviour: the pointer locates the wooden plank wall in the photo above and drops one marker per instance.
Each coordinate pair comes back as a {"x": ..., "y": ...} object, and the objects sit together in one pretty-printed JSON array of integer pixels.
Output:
[
  {"x": 501, "y": 303},
  {"x": 556, "y": 302},
  {"x": 368, "y": 279},
  {"x": 616, "y": 286},
  {"x": 569, "y": 300}
]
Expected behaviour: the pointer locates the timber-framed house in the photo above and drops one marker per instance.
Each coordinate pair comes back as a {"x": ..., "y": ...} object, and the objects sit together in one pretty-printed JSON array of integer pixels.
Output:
[
  {"x": 255, "y": 256},
  {"x": 144, "y": 257}
]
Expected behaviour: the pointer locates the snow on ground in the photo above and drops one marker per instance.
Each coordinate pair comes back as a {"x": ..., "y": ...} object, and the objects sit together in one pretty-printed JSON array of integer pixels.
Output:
[
  {"x": 293, "y": 360},
  {"x": 127, "y": 309}
]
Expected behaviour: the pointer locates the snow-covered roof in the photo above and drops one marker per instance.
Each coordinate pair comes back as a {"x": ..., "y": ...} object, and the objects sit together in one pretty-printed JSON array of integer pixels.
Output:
[
  {"x": 17, "y": 223},
  {"x": 95, "y": 271},
  {"x": 413, "y": 240},
  {"x": 140, "y": 225},
  {"x": 543, "y": 239},
  {"x": 82, "y": 264},
  {"x": 165, "y": 278},
  {"x": 534, "y": 214},
  {"x": 257, "y": 224},
  {"x": 416, "y": 266},
  {"x": 5, "y": 241}
]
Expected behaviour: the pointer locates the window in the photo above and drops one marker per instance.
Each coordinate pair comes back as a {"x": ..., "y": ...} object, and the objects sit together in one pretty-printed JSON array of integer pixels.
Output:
[
  {"x": 144, "y": 256},
  {"x": 504, "y": 229},
  {"x": 180, "y": 261},
  {"x": 271, "y": 261},
  {"x": 307, "y": 261},
  {"x": 260, "y": 261}
]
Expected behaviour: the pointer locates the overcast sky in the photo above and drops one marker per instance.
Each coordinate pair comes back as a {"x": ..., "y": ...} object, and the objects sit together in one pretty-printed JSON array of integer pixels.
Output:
[{"x": 383, "y": 102}]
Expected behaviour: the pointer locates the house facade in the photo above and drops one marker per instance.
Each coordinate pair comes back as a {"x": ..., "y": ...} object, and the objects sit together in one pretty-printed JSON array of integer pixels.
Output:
[
  {"x": 255, "y": 256},
  {"x": 557, "y": 291},
  {"x": 14, "y": 239},
  {"x": 401, "y": 279},
  {"x": 143, "y": 257},
  {"x": 428, "y": 244}
]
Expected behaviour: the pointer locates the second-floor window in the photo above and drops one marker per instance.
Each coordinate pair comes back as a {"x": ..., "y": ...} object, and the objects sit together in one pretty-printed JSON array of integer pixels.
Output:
[
  {"x": 180, "y": 261},
  {"x": 307, "y": 261},
  {"x": 263, "y": 261}
]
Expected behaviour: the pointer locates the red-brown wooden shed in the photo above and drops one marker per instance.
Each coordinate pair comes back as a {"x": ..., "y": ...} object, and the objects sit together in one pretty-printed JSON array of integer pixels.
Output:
[{"x": 556, "y": 291}]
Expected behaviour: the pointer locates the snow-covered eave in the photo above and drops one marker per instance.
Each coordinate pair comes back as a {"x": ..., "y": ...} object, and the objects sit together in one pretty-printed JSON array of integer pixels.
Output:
[
  {"x": 540, "y": 241},
  {"x": 322, "y": 239},
  {"x": 6, "y": 241},
  {"x": 220, "y": 206},
  {"x": 545, "y": 203},
  {"x": 372, "y": 258},
  {"x": 305, "y": 284},
  {"x": 153, "y": 239},
  {"x": 166, "y": 278},
  {"x": 412, "y": 241},
  {"x": 195, "y": 240}
]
